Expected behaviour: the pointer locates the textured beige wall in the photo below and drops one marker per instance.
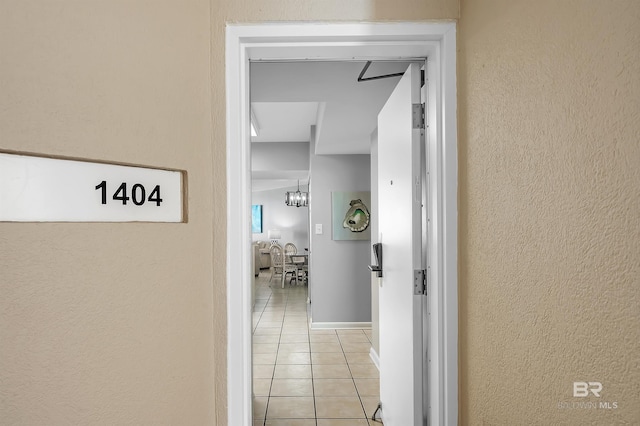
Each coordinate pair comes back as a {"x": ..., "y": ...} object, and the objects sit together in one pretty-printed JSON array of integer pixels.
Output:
[
  {"x": 125, "y": 323},
  {"x": 108, "y": 323},
  {"x": 549, "y": 120}
]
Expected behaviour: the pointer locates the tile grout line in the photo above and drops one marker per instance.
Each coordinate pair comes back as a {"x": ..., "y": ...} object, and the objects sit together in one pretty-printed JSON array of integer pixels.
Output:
[
  {"x": 364, "y": 410},
  {"x": 266, "y": 410},
  {"x": 254, "y": 328},
  {"x": 313, "y": 387},
  {"x": 285, "y": 310},
  {"x": 275, "y": 362}
]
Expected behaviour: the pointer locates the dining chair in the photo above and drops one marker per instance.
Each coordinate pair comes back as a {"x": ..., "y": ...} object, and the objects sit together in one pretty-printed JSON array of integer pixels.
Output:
[
  {"x": 280, "y": 265},
  {"x": 277, "y": 260},
  {"x": 302, "y": 267},
  {"x": 290, "y": 249}
]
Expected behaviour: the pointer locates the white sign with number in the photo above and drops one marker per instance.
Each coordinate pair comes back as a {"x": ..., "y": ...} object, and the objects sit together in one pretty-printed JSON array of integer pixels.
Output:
[{"x": 38, "y": 189}]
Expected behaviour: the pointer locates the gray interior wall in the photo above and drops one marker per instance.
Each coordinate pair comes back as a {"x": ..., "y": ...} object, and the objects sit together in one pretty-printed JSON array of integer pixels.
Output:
[
  {"x": 269, "y": 156},
  {"x": 340, "y": 285},
  {"x": 293, "y": 222}
]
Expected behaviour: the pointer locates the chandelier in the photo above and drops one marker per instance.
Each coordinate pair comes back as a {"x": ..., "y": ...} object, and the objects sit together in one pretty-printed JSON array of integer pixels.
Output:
[{"x": 297, "y": 199}]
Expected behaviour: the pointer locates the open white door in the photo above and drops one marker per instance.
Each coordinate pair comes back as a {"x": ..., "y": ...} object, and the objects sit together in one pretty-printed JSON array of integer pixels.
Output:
[{"x": 402, "y": 369}]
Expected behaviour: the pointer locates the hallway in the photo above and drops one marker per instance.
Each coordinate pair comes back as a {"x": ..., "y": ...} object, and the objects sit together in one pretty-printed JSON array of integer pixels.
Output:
[{"x": 305, "y": 377}]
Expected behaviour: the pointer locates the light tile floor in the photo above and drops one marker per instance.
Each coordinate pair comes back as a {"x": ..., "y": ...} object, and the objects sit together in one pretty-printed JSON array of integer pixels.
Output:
[{"x": 305, "y": 377}]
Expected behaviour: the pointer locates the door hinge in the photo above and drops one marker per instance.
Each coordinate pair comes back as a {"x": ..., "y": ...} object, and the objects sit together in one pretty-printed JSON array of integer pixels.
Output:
[
  {"x": 417, "y": 113},
  {"x": 420, "y": 282}
]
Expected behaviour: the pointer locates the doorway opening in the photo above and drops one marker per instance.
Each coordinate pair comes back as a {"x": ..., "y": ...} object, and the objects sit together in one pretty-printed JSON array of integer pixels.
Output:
[{"x": 331, "y": 42}]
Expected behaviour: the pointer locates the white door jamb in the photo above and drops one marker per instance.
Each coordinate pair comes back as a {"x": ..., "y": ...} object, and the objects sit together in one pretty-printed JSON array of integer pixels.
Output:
[{"x": 344, "y": 41}]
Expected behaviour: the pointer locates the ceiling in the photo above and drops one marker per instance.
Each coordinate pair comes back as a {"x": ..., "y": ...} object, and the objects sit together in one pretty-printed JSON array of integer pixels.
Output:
[
  {"x": 287, "y": 98},
  {"x": 283, "y": 121}
]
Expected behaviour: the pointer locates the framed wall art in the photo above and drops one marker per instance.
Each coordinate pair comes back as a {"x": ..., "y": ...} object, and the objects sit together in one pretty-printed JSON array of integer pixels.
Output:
[
  {"x": 256, "y": 219},
  {"x": 351, "y": 216}
]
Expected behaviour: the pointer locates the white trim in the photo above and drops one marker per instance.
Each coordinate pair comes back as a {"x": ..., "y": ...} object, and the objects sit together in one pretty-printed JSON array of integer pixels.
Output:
[
  {"x": 339, "y": 325},
  {"x": 239, "y": 321},
  {"x": 449, "y": 247},
  {"x": 317, "y": 41},
  {"x": 374, "y": 357}
]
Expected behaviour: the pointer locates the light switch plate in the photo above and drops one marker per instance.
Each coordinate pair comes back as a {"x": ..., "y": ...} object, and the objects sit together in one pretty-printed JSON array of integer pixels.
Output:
[{"x": 318, "y": 229}]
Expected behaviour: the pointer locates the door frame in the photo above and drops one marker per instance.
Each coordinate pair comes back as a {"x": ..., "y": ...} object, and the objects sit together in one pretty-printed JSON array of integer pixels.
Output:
[{"x": 345, "y": 41}]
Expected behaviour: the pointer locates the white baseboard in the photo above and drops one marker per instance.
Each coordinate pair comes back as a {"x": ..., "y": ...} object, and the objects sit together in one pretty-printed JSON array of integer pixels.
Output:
[
  {"x": 375, "y": 358},
  {"x": 338, "y": 325}
]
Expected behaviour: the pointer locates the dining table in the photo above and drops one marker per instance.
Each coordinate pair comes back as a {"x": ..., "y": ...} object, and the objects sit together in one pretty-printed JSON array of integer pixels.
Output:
[{"x": 299, "y": 261}]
